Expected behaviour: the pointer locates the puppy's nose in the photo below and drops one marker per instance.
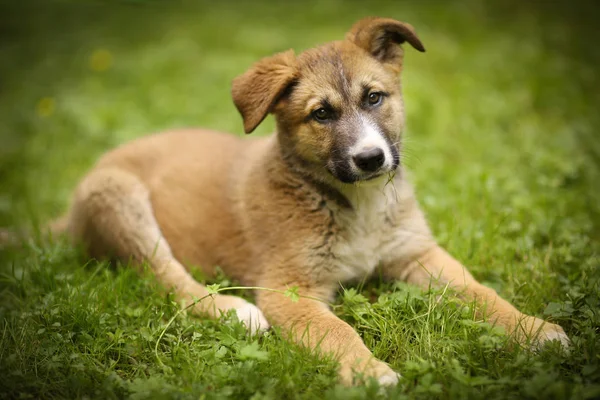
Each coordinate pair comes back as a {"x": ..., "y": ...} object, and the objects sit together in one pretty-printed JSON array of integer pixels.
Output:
[{"x": 369, "y": 160}]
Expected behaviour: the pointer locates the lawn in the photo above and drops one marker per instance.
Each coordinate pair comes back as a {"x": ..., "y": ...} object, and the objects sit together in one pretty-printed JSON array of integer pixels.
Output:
[{"x": 502, "y": 145}]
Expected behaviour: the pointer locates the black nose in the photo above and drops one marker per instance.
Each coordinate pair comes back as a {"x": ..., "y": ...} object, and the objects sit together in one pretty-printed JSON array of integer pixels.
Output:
[{"x": 369, "y": 160}]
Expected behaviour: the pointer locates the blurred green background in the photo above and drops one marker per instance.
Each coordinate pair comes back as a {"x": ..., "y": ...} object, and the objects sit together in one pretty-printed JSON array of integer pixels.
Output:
[{"x": 502, "y": 143}]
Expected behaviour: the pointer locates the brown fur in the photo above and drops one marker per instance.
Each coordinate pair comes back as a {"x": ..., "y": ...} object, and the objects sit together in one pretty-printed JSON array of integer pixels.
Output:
[{"x": 275, "y": 212}]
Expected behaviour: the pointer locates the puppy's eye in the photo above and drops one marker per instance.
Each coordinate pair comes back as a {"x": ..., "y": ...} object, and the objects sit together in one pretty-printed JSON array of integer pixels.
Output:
[
  {"x": 374, "y": 98},
  {"x": 322, "y": 114}
]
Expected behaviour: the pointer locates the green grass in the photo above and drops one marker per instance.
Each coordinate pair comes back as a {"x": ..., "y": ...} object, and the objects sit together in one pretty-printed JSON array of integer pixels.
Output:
[{"x": 501, "y": 143}]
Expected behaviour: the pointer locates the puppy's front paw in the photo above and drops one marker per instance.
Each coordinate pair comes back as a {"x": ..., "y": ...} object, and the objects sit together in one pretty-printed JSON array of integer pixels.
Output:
[
  {"x": 252, "y": 318},
  {"x": 550, "y": 332},
  {"x": 538, "y": 332},
  {"x": 372, "y": 369}
]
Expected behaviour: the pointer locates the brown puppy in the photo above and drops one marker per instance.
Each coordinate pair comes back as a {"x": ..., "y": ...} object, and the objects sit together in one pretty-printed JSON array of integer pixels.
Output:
[{"x": 320, "y": 202}]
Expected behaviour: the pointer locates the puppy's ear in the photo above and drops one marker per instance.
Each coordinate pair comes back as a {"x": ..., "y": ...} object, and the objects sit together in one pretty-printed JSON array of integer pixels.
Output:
[
  {"x": 381, "y": 37},
  {"x": 257, "y": 91}
]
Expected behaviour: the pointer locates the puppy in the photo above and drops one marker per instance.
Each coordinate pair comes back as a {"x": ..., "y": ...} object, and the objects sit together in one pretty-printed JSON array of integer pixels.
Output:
[{"x": 320, "y": 202}]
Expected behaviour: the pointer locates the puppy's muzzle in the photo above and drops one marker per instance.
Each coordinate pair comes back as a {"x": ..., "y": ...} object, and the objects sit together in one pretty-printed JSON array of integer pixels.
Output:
[{"x": 369, "y": 160}]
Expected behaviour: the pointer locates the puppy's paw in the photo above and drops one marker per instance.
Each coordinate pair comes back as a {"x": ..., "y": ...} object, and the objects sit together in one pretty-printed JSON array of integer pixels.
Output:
[
  {"x": 247, "y": 313},
  {"x": 539, "y": 332},
  {"x": 252, "y": 318},
  {"x": 389, "y": 379},
  {"x": 379, "y": 370},
  {"x": 550, "y": 332}
]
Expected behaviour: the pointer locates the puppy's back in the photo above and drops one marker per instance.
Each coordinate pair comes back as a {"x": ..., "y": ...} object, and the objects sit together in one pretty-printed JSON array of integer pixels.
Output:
[{"x": 147, "y": 156}]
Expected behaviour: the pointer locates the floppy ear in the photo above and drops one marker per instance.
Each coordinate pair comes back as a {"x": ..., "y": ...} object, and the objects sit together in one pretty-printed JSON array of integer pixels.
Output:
[
  {"x": 380, "y": 37},
  {"x": 256, "y": 92}
]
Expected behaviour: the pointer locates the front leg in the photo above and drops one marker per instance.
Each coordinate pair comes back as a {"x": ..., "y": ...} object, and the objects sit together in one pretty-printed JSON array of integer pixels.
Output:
[
  {"x": 310, "y": 323},
  {"x": 438, "y": 268}
]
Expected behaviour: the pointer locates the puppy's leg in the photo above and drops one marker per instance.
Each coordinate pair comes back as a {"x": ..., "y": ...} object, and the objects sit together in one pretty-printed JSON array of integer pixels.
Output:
[
  {"x": 311, "y": 324},
  {"x": 437, "y": 267},
  {"x": 112, "y": 214}
]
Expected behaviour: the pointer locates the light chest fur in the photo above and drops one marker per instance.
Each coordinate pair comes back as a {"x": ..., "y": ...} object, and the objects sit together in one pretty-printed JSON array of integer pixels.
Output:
[{"x": 375, "y": 230}]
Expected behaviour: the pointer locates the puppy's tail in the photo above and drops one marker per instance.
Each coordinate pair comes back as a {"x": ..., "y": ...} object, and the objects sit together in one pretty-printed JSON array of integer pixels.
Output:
[{"x": 57, "y": 227}]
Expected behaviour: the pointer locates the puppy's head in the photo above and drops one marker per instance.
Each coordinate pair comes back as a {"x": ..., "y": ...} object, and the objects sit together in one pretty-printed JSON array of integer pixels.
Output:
[{"x": 338, "y": 107}]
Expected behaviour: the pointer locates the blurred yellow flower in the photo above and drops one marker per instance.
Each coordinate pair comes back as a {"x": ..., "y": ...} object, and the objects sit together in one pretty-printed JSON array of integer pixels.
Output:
[
  {"x": 101, "y": 60},
  {"x": 45, "y": 107}
]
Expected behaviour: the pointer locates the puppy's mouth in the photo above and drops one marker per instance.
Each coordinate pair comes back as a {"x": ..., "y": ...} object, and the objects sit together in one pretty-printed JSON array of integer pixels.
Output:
[{"x": 350, "y": 177}]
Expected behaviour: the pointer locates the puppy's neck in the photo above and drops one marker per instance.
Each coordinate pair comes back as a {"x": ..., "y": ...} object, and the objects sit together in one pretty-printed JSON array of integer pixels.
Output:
[{"x": 383, "y": 190}]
